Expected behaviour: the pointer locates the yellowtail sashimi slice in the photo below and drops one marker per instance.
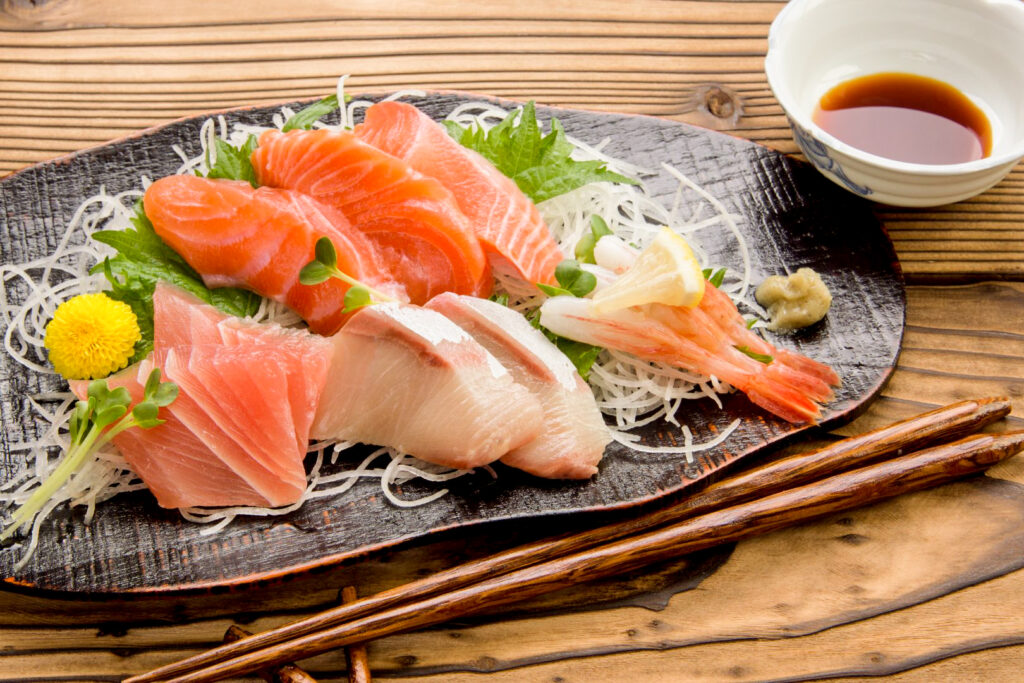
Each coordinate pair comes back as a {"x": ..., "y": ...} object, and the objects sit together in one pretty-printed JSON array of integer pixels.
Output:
[
  {"x": 574, "y": 436},
  {"x": 408, "y": 378}
]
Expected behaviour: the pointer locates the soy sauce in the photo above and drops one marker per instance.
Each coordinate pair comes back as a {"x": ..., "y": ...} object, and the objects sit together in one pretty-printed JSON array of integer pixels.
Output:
[{"x": 907, "y": 118}]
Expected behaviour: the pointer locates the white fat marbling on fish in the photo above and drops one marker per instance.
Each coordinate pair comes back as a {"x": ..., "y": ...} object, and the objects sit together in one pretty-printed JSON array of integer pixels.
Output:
[
  {"x": 435, "y": 329},
  {"x": 531, "y": 338}
]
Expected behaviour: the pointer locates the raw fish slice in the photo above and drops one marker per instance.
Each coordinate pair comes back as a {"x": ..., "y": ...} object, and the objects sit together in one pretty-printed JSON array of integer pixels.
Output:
[
  {"x": 174, "y": 308},
  {"x": 506, "y": 222},
  {"x": 305, "y": 386},
  {"x": 177, "y": 467},
  {"x": 234, "y": 235},
  {"x": 246, "y": 387},
  {"x": 182, "y": 319},
  {"x": 574, "y": 435},
  {"x": 278, "y": 485},
  {"x": 409, "y": 378},
  {"x": 413, "y": 221},
  {"x": 261, "y": 423},
  {"x": 249, "y": 391}
]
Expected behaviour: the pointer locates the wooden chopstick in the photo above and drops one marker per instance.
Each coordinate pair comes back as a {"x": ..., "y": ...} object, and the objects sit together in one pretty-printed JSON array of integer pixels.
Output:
[
  {"x": 942, "y": 423},
  {"x": 282, "y": 673},
  {"x": 355, "y": 654},
  {"x": 918, "y": 470}
]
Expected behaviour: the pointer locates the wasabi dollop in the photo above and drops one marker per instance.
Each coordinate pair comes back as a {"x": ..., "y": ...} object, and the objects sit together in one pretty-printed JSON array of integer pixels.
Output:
[{"x": 794, "y": 301}]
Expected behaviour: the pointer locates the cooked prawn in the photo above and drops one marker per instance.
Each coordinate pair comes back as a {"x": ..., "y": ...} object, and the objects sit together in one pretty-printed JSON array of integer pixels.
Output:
[{"x": 702, "y": 339}]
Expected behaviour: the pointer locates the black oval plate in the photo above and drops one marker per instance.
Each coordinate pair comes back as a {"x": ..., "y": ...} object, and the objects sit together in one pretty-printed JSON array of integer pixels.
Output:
[{"x": 793, "y": 217}]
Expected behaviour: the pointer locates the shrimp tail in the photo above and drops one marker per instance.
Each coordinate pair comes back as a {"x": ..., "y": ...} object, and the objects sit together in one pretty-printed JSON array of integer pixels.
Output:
[{"x": 783, "y": 401}]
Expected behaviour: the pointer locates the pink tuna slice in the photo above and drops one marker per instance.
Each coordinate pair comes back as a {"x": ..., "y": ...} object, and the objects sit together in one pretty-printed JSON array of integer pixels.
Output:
[
  {"x": 239, "y": 428},
  {"x": 574, "y": 435},
  {"x": 408, "y": 378},
  {"x": 179, "y": 469},
  {"x": 186, "y": 318},
  {"x": 508, "y": 225}
]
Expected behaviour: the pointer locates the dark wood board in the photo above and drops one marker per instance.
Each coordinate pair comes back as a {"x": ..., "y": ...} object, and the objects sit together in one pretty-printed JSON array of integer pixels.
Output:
[{"x": 792, "y": 217}]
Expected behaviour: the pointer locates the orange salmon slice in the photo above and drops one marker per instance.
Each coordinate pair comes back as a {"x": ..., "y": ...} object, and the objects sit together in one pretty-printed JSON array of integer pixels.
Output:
[
  {"x": 507, "y": 223},
  {"x": 237, "y": 236},
  {"x": 413, "y": 221}
]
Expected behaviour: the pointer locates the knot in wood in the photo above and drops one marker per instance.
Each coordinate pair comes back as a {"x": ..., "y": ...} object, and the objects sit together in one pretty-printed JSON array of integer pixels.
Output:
[
  {"x": 42, "y": 12},
  {"x": 719, "y": 103},
  {"x": 719, "y": 106}
]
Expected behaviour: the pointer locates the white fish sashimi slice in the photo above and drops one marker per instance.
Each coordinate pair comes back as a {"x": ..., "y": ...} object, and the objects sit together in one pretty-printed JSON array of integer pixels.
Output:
[
  {"x": 408, "y": 378},
  {"x": 574, "y": 436}
]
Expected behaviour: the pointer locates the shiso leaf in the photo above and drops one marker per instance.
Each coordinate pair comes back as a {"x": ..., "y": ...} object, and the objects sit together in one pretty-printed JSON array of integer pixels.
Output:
[
  {"x": 233, "y": 162},
  {"x": 304, "y": 119},
  {"x": 539, "y": 164}
]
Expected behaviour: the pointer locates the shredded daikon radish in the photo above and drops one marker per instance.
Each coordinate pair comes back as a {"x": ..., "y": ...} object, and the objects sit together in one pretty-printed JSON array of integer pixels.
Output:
[{"x": 631, "y": 392}]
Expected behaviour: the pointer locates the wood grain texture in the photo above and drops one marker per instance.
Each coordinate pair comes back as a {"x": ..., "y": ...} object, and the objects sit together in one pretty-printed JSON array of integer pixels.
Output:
[
  {"x": 74, "y": 74},
  {"x": 921, "y": 588},
  {"x": 842, "y": 492},
  {"x": 776, "y": 477}
]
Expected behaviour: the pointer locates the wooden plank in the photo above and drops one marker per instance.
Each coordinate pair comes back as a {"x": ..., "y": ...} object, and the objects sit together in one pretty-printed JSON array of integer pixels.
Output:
[
  {"x": 191, "y": 13},
  {"x": 878, "y": 590}
]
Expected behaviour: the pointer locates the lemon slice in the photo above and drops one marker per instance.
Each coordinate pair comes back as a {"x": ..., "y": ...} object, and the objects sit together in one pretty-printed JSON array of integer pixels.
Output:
[{"x": 666, "y": 272}]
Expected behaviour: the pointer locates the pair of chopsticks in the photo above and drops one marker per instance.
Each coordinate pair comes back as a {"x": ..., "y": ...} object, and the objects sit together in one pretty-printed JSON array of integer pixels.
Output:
[
  {"x": 355, "y": 656},
  {"x": 843, "y": 475}
]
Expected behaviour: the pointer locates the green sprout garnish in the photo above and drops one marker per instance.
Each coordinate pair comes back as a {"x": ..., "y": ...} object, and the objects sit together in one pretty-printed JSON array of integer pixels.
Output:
[
  {"x": 325, "y": 266},
  {"x": 715, "y": 277},
  {"x": 585, "y": 247},
  {"x": 94, "y": 422},
  {"x": 759, "y": 357},
  {"x": 573, "y": 279}
]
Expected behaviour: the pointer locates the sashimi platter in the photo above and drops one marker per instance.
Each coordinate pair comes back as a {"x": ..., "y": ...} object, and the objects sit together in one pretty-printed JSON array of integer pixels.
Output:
[{"x": 260, "y": 341}]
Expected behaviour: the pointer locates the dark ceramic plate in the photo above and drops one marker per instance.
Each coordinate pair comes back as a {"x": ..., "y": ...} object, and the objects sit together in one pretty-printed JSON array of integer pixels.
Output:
[{"x": 792, "y": 217}]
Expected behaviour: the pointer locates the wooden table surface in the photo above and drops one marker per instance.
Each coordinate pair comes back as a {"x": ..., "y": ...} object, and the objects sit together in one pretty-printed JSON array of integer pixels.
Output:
[{"x": 925, "y": 587}]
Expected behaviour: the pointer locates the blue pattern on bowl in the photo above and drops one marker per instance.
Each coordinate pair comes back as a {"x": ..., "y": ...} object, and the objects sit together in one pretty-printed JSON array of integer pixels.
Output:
[{"x": 818, "y": 154}]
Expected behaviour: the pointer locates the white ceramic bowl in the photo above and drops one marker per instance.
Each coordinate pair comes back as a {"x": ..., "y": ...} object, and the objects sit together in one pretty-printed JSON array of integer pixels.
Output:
[{"x": 977, "y": 46}]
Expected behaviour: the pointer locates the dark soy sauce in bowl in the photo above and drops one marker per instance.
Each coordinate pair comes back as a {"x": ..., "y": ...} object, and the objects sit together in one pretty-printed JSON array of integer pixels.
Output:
[{"x": 907, "y": 118}]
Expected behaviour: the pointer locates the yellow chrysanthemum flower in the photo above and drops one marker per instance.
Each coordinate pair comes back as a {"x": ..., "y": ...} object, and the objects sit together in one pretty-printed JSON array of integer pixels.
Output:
[{"x": 91, "y": 336}]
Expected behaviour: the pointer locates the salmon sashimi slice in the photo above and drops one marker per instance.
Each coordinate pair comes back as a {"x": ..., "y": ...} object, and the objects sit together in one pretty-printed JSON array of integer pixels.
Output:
[
  {"x": 178, "y": 468},
  {"x": 409, "y": 378},
  {"x": 574, "y": 435},
  {"x": 414, "y": 221},
  {"x": 236, "y": 236},
  {"x": 507, "y": 223}
]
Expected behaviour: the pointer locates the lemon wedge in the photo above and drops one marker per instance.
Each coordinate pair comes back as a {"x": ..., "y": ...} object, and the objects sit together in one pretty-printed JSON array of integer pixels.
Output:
[{"x": 666, "y": 272}]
